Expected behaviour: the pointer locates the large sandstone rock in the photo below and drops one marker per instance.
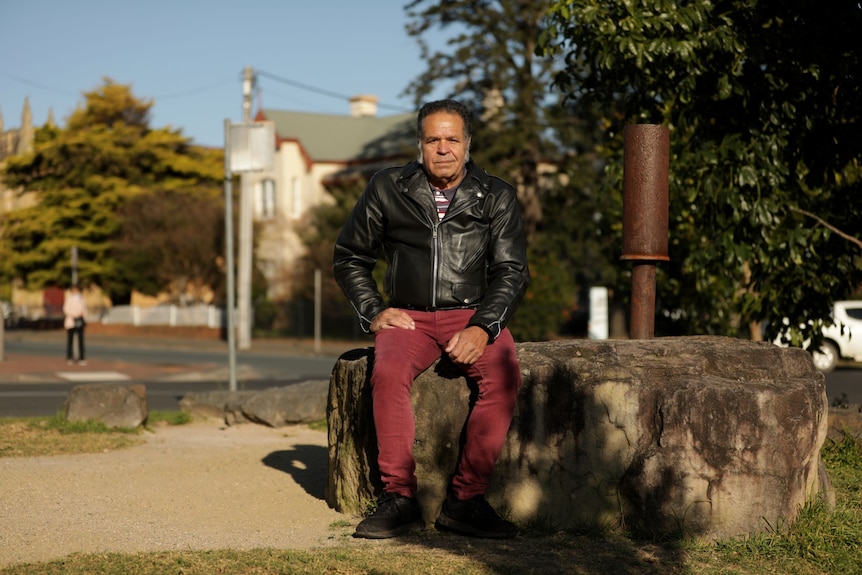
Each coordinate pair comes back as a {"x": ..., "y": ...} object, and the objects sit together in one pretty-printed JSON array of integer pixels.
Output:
[
  {"x": 711, "y": 436},
  {"x": 113, "y": 404}
]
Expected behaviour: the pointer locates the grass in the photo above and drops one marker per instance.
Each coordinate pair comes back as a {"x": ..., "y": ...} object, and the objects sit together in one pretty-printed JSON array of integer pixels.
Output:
[
  {"x": 821, "y": 541},
  {"x": 35, "y": 436},
  {"x": 318, "y": 425}
]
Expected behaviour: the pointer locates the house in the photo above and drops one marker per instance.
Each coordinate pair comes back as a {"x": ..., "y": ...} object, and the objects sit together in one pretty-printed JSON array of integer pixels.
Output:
[{"x": 312, "y": 149}]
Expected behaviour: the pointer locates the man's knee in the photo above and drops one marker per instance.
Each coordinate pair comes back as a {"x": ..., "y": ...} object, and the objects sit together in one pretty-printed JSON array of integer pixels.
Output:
[
  {"x": 501, "y": 356},
  {"x": 391, "y": 373}
]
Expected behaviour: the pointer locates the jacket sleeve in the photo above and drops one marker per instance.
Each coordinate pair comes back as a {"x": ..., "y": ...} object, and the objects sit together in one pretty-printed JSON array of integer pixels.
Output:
[
  {"x": 508, "y": 272},
  {"x": 357, "y": 250}
]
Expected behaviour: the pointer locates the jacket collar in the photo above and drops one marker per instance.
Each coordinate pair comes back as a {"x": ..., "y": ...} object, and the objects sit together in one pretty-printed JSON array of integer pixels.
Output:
[{"x": 413, "y": 174}]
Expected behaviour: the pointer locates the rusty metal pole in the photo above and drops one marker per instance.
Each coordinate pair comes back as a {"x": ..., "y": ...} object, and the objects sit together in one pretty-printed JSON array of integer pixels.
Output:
[{"x": 645, "y": 217}]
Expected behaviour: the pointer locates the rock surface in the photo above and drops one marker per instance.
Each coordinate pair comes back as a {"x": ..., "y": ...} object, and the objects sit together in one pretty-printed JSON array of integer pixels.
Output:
[
  {"x": 113, "y": 404},
  {"x": 709, "y": 436},
  {"x": 275, "y": 407}
]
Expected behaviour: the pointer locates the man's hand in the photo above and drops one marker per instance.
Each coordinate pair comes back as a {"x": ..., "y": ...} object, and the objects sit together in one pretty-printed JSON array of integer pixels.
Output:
[
  {"x": 391, "y": 318},
  {"x": 468, "y": 345}
]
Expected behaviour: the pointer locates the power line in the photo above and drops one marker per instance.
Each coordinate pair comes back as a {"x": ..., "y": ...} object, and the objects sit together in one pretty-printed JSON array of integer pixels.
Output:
[
  {"x": 38, "y": 85},
  {"x": 208, "y": 87},
  {"x": 194, "y": 91},
  {"x": 190, "y": 92},
  {"x": 322, "y": 91}
]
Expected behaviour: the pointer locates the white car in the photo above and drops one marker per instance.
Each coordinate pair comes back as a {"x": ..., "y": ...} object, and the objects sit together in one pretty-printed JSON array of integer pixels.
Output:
[{"x": 842, "y": 340}]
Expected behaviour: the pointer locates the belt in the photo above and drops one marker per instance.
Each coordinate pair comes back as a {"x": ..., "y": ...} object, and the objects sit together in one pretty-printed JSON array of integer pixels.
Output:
[{"x": 431, "y": 308}]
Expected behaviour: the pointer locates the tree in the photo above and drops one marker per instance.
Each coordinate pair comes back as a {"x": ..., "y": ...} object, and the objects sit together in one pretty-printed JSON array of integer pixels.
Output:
[
  {"x": 319, "y": 234},
  {"x": 763, "y": 99},
  {"x": 493, "y": 68},
  {"x": 523, "y": 133},
  {"x": 172, "y": 242},
  {"x": 83, "y": 176}
]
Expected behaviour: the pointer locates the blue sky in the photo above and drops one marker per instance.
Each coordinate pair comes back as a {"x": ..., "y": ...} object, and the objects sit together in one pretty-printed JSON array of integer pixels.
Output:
[{"x": 188, "y": 56}]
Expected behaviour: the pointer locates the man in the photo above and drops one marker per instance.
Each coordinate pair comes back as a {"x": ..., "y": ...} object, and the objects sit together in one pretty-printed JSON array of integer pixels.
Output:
[{"x": 452, "y": 237}]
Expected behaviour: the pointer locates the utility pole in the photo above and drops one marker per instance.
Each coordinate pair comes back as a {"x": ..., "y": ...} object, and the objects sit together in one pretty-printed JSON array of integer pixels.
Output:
[
  {"x": 74, "y": 260},
  {"x": 246, "y": 222},
  {"x": 229, "y": 253}
]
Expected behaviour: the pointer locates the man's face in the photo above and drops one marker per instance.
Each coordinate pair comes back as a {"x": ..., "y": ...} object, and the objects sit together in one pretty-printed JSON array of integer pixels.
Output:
[{"x": 444, "y": 148}]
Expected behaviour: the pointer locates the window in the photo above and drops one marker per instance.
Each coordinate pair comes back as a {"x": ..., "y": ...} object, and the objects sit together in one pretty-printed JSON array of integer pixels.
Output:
[{"x": 265, "y": 204}]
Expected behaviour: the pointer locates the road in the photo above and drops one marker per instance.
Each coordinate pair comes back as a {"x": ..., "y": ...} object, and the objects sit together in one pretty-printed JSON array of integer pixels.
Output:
[
  {"x": 272, "y": 364},
  {"x": 844, "y": 385},
  {"x": 199, "y": 366}
]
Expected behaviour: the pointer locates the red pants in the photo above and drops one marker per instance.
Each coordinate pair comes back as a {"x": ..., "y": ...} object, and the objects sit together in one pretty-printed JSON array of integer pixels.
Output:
[{"x": 399, "y": 356}]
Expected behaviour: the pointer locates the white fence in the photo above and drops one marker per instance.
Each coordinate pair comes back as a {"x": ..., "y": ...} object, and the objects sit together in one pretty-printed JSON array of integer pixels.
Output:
[{"x": 200, "y": 315}]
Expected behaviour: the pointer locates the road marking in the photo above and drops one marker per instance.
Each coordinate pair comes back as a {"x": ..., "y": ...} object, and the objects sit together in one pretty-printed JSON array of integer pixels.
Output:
[
  {"x": 92, "y": 375},
  {"x": 33, "y": 393}
]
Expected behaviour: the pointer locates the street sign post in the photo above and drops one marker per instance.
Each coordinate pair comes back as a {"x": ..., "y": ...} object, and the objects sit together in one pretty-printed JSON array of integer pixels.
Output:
[{"x": 248, "y": 147}]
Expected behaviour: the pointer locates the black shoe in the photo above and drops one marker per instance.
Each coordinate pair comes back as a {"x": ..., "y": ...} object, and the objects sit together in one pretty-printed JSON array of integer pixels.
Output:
[
  {"x": 474, "y": 517},
  {"x": 395, "y": 515}
]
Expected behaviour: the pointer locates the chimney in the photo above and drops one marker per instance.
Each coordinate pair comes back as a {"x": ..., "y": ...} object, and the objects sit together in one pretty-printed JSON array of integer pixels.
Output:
[{"x": 363, "y": 105}]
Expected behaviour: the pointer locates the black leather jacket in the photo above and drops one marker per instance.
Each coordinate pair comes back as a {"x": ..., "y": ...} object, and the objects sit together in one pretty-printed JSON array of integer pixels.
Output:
[{"x": 475, "y": 257}]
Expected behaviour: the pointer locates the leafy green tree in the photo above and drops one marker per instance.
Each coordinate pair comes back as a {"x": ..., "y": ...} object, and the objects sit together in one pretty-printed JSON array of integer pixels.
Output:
[
  {"x": 570, "y": 249},
  {"x": 763, "y": 98},
  {"x": 83, "y": 176}
]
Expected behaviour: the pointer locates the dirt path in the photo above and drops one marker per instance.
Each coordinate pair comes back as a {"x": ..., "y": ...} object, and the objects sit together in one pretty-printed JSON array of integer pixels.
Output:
[{"x": 197, "y": 486}]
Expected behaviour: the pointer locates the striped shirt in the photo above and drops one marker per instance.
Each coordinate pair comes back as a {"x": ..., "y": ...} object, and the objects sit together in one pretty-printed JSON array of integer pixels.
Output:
[{"x": 442, "y": 203}]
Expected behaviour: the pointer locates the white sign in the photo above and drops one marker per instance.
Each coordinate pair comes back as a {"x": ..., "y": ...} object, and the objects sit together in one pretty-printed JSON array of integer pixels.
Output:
[
  {"x": 252, "y": 146},
  {"x": 598, "y": 326}
]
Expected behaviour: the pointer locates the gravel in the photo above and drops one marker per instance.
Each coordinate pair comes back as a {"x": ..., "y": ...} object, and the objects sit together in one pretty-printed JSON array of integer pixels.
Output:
[{"x": 190, "y": 487}]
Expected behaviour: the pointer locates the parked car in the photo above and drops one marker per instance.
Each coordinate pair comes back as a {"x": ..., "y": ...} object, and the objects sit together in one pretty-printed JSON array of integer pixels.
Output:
[{"x": 842, "y": 339}]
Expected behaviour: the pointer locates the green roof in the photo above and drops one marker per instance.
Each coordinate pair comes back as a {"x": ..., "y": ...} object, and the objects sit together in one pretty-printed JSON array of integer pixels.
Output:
[{"x": 338, "y": 138}]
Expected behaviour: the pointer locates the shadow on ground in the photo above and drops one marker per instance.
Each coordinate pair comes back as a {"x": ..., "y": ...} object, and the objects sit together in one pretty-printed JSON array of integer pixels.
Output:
[{"x": 306, "y": 464}]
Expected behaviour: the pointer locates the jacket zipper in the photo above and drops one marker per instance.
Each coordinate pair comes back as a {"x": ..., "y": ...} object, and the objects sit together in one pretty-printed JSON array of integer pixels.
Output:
[
  {"x": 435, "y": 247},
  {"x": 435, "y": 263},
  {"x": 436, "y": 250}
]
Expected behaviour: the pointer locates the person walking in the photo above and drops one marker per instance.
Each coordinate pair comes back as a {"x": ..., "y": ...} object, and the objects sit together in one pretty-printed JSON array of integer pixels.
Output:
[
  {"x": 75, "y": 320},
  {"x": 453, "y": 238}
]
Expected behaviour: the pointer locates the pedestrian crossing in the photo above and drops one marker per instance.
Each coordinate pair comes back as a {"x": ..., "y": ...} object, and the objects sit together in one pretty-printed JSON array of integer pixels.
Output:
[{"x": 92, "y": 376}]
